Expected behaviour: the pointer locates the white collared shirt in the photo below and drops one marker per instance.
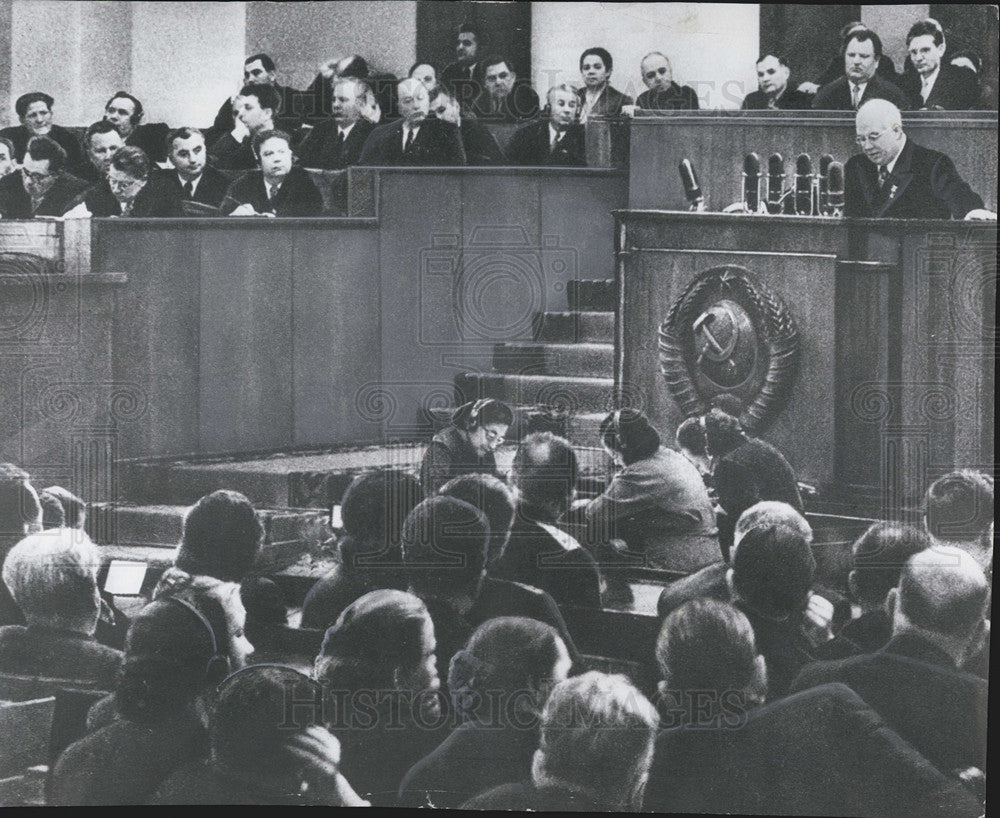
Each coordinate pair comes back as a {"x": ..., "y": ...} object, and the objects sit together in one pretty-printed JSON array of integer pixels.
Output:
[
  {"x": 589, "y": 101},
  {"x": 272, "y": 190},
  {"x": 194, "y": 182},
  {"x": 554, "y": 136},
  {"x": 406, "y": 132},
  {"x": 345, "y": 130},
  {"x": 861, "y": 90},
  {"x": 927, "y": 83}
]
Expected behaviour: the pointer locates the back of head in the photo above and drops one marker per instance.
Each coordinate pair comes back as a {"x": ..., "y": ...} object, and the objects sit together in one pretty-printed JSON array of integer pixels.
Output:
[
  {"x": 52, "y": 576},
  {"x": 374, "y": 507},
  {"x": 691, "y": 436},
  {"x": 53, "y": 515},
  {"x": 707, "y": 645},
  {"x": 444, "y": 547},
  {"x": 959, "y": 506},
  {"x": 597, "y": 733},
  {"x": 878, "y": 557},
  {"x": 505, "y": 658},
  {"x": 171, "y": 655},
  {"x": 723, "y": 432},
  {"x": 545, "y": 472},
  {"x": 769, "y": 513},
  {"x": 221, "y": 538},
  {"x": 628, "y": 432},
  {"x": 20, "y": 510},
  {"x": 73, "y": 507},
  {"x": 492, "y": 497},
  {"x": 773, "y": 570},
  {"x": 944, "y": 591}
]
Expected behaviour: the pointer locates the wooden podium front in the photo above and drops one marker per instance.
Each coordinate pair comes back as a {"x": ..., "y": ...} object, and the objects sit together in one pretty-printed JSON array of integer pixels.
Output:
[{"x": 897, "y": 338}]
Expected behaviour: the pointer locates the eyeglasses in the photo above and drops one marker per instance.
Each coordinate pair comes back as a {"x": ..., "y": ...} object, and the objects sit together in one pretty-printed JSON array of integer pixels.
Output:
[
  {"x": 114, "y": 184},
  {"x": 872, "y": 137}
]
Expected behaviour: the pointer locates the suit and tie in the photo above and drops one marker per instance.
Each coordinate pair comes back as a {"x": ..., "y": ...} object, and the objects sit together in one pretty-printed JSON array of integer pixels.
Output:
[
  {"x": 480, "y": 145},
  {"x": 520, "y": 105},
  {"x": 791, "y": 100},
  {"x": 326, "y": 147},
  {"x": 210, "y": 189},
  {"x": 538, "y": 144},
  {"x": 435, "y": 143},
  {"x": 923, "y": 184},
  {"x": 15, "y": 201},
  {"x": 954, "y": 89},
  {"x": 297, "y": 195},
  {"x": 840, "y": 95},
  {"x": 465, "y": 80},
  {"x": 156, "y": 198}
]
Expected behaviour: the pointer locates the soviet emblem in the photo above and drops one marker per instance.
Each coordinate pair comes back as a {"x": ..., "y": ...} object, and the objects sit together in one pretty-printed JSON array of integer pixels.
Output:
[{"x": 727, "y": 334}]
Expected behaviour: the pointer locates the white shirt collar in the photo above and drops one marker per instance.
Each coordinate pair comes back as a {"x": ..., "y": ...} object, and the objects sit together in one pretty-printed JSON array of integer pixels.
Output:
[
  {"x": 895, "y": 159},
  {"x": 194, "y": 182},
  {"x": 553, "y": 135},
  {"x": 407, "y": 129},
  {"x": 860, "y": 86},
  {"x": 346, "y": 129},
  {"x": 927, "y": 83},
  {"x": 272, "y": 190}
]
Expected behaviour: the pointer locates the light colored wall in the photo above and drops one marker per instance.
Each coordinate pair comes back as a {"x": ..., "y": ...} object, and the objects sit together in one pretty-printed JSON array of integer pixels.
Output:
[
  {"x": 891, "y": 23},
  {"x": 298, "y": 36},
  {"x": 712, "y": 47}
]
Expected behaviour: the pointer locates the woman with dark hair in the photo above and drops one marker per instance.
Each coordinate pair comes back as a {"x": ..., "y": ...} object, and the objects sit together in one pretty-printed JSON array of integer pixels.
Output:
[
  {"x": 597, "y": 97},
  {"x": 378, "y": 669},
  {"x": 657, "y": 502},
  {"x": 498, "y": 683},
  {"x": 466, "y": 446},
  {"x": 373, "y": 510}
]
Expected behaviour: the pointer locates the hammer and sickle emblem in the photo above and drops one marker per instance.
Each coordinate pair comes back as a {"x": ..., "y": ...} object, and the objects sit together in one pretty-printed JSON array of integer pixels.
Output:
[{"x": 717, "y": 333}]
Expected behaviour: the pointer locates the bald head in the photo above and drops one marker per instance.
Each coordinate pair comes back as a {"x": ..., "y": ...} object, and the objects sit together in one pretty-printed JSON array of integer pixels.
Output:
[
  {"x": 879, "y": 130},
  {"x": 943, "y": 590}
]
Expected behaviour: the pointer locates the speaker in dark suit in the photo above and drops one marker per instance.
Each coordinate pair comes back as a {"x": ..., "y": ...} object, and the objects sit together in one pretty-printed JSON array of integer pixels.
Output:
[
  {"x": 555, "y": 141},
  {"x": 464, "y": 77},
  {"x": 896, "y": 178}
]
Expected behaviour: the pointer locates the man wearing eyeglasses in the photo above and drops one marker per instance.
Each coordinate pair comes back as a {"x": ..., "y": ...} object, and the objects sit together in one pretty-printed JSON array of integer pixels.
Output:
[
  {"x": 43, "y": 187},
  {"x": 504, "y": 97},
  {"x": 896, "y": 178},
  {"x": 663, "y": 94},
  {"x": 129, "y": 190}
]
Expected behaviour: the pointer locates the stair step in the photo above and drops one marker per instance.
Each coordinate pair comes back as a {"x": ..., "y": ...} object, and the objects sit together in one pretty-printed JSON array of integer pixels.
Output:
[
  {"x": 586, "y": 359},
  {"x": 592, "y": 294},
  {"x": 578, "y": 394},
  {"x": 575, "y": 327}
]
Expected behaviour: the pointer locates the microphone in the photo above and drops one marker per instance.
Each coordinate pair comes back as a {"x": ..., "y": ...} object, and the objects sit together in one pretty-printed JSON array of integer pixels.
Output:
[
  {"x": 824, "y": 171},
  {"x": 691, "y": 189},
  {"x": 775, "y": 182},
  {"x": 751, "y": 182},
  {"x": 835, "y": 195},
  {"x": 803, "y": 185}
]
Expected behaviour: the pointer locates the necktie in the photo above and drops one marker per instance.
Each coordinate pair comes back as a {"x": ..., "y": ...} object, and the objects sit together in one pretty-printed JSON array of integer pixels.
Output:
[
  {"x": 883, "y": 176},
  {"x": 409, "y": 140},
  {"x": 855, "y": 95},
  {"x": 556, "y": 140},
  {"x": 338, "y": 142},
  {"x": 925, "y": 89},
  {"x": 188, "y": 190}
]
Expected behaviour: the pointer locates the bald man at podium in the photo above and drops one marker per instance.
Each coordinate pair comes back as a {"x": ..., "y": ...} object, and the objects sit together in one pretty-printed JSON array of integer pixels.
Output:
[{"x": 896, "y": 178}]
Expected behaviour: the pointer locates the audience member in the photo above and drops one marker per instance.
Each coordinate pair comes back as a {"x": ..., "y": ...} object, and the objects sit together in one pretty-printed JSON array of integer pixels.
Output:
[
  {"x": 20, "y": 514},
  {"x": 656, "y": 501},
  {"x": 935, "y": 84},
  {"x": 43, "y": 187},
  {"x": 835, "y": 68},
  {"x": 598, "y": 97},
  {"x": 860, "y": 83},
  {"x": 378, "y": 670},
  {"x": 594, "y": 753},
  {"x": 264, "y": 750},
  {"x": 774, "y": 93},
  {"x": 125, "y": 112},
  {"x": 662, "y": 92},
  {"x": 100, "y": 142},
  {"x": 373, "y": 510},
  {"x": 821, "y": 752},
  {"x": 480, "y": 145},
  {"x": 539, "y": 553},
  {"x": 492, "y": 497},
  {"x": 53, "y": 514},
  {"x": 336, "y": 143},
  {"x": 191, "y": 177},
  {"x": 131, "y": 189},
  {"x": 897, "y": 178},
  {"x": 278, "y": 188},
  {"x": 259, "y": 69},
  {"x": 465, "y": 76},
  {"x": 690, "y": 439},
  {"x": 504, "y": 98},
  {"x": 555, "y": 140},
  {"x": 175, "y": 655},
  {"x": 74, "y": 509},
  {"x": 958, "y": 511},
  {"x": 257, "y": 107},
  {"x": 35, "y": 112},
  {"x": 415, "y": 139},
  {"x": 499, "y": 683},
  {"x": 426, "y": 73},
  {"x": 467, "y": 444},
  {"x": 52, "y": 577},
  {"x": 8, "y": 162},
  {"x": 913, "y": 681},
  {"x": 383, "y": 88}
]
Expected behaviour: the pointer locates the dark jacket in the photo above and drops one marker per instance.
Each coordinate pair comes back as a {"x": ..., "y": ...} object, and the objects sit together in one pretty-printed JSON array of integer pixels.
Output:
[
  {"x": 297, "y": 196},
  {"x": 923, "y": 185},
  {"x": 436, "y": 143},
  {"x": 86, "y": 171},
  {"x": 200, "y": 782},
  {"x": 152, "y": 138},
  {"x": 520, "y": 105},
  {"x": 480, "y": 145},
  {"x": 955, "y": 89},
  {"x": 531, "y": 145},
  {"x": 709, "y": 582},
  {"x": 836, "y": 96},
  {"x": 821, "y": 752},
  {"x": 228, "y": 154},
  {"x": 39, "y": 660},
  {"x": 866, "y": 634},
  {"x": 295, "y": 106},
  {"x": 15, "y": 203},
  {"x": 784, "y": 645},
  {"x": 609, "y": 103},
  {"x": 20, "y": 135},
  {"x": 555, "y": 563},
  {"x": 341, "y": 586},
  {"x": 791, "y": 100},
  {"x": 323, "y": 148},
  {"x": 211, "y": 188},
  {"x": 916, "y": 688},
  {"x": 448, "y": 456},
  {"x": 156, "y": 199},
  {"x": 526, "y": 797},
  {"x": 465, "y": 80},
  {"x": 676, "y": 97}
]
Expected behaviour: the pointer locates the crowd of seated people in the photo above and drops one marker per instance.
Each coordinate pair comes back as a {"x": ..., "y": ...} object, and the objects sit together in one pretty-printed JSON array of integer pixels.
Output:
[{"x": 445, "y": 674}]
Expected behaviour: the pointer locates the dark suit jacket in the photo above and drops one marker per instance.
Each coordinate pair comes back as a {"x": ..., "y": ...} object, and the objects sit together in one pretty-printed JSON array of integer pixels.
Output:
[
  {"x": 609, "y": 103},
  {"x": 467, "y": 84},
  {"x": 228, "y": 154},
  {"x": 152, "y": 138},
  {"x": 43, "y": 654},
  {"x": 15, "y": 203},
  {"x": 791, "y": 100},
  {"x": 480, "y": 145},
  {"x": 955, "y": 89},
  {"x": 297, "y": 196},
  {"x": 836, "y": 96},
  {"x": 822, "y": 752},
  {"x": 784, "y": 646},
  {"x": 156, "y": 199},
  {"x": 295, "y": 106},
  {"x": 20, "y": 136},
  {"x": 923, "y": 185},
  {"x": 211, "y": 189},
  {"x": 917, "y": 690},
  {"x": 676, "y": 97},
  {"x": 520, "y": 105},
  {"x": 322, "y": 149},
  {"x": 436, "y": 143},
  {"x": 530, "y": 146},
  {"x": 86, "y": 171}
]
